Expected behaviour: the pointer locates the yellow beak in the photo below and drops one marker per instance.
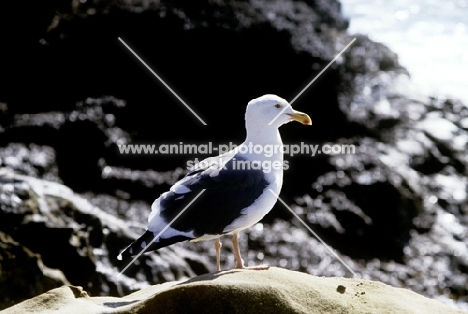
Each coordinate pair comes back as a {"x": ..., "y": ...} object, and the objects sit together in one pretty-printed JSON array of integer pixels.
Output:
[{"x": 301, "y": 117}]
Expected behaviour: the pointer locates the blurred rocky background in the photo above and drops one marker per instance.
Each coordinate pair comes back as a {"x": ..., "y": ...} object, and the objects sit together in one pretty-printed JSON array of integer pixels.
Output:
[{"x": 70, "y": 93}]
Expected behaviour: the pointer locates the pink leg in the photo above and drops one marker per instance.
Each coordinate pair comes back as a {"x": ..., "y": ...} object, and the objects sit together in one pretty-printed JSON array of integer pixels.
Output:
[
  {"x": 239, "y": 260},
  {"x": 218, "y": 246}
]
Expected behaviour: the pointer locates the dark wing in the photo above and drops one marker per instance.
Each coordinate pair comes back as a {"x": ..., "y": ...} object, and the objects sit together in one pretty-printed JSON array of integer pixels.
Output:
[
  {"x": 147, "y": 239},
  {"x": 229, "y": 188}
]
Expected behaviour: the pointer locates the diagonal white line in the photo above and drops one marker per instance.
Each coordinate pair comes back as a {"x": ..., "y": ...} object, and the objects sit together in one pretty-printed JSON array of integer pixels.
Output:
[
  {"x": 161, "y": 80},
  {"x": 313, "y": 80},
  {"x": 324, "y": 69},
  {"x": 162, "y": 231},
  {"x": 315, "y": 234},
  {"x": 280, "y": 113}
]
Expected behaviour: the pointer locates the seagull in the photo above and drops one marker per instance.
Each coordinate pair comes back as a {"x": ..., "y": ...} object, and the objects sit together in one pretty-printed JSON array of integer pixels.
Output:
[{"x": 226, "y": 194}]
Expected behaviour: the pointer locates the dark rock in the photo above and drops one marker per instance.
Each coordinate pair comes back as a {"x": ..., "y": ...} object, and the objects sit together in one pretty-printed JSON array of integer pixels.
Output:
[
  {"x": 82, "y": 145},
  {"x": 32, "y": 160},
  {"x": 81, "y": 240},
  {"x": 23, "y": 274}
]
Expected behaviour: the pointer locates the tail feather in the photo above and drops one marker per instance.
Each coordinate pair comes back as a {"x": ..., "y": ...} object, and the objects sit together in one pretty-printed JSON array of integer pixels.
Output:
[{"x": 148, "y": 239}]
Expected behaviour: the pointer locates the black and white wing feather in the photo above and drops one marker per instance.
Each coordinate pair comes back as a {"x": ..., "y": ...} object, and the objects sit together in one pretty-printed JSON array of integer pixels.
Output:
[{"x": 230, "y": 183}]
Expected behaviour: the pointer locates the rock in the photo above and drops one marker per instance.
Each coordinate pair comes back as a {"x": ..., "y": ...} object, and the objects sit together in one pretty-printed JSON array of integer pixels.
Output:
[
  {"x": 396, "y": 203},
  {"x": 32, "y": 160},
  {"x": 244, "y": 291},
  {"x": 81, "y": 240},
  {"x": 23, "y": 274}
]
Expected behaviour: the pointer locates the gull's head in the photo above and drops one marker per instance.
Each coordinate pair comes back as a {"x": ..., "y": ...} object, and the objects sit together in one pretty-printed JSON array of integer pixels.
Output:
[{"x": 271, "y": 110}]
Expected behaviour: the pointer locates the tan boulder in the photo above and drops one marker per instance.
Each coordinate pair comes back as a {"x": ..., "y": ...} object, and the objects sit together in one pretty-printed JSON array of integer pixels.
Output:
[{"x": 244, "y": 291}]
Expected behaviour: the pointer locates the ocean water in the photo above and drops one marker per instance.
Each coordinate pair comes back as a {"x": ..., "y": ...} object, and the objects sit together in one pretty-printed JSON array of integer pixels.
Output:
[{"x": 429, "y": 36}]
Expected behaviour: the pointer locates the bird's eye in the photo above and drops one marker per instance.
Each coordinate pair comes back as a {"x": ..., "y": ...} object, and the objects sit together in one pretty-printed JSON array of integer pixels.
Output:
[{"x": 278, "y": 106}]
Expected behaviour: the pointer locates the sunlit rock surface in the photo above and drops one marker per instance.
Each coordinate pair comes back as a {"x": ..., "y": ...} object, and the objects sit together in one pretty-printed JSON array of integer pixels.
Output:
[{"x": 271, "y": 291}]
